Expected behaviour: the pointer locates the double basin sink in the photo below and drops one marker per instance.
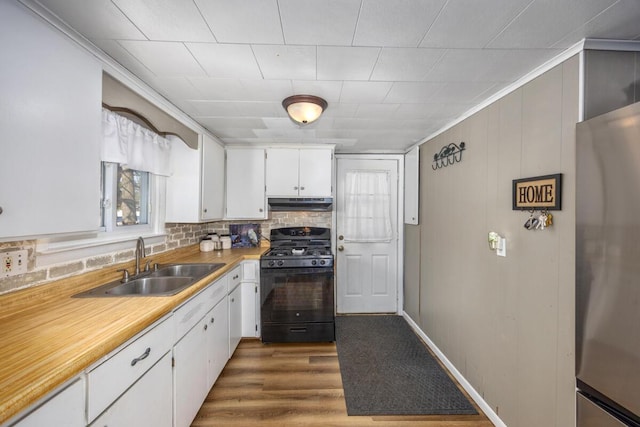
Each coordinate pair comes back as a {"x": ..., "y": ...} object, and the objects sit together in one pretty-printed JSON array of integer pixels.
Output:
[{"x": 165, "y": 281}]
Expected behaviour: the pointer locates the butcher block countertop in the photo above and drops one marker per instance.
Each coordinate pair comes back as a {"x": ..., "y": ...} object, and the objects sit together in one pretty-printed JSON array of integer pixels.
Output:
[{"x": 47, "y": 337}]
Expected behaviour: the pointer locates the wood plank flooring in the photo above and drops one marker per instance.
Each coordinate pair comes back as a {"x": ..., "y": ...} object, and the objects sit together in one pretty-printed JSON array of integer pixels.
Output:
[{"x": 296, "y": 385}]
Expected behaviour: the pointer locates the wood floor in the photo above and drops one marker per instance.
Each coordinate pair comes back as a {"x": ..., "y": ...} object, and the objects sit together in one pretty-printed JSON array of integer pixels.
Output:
[{"x": 295, "y": 385}]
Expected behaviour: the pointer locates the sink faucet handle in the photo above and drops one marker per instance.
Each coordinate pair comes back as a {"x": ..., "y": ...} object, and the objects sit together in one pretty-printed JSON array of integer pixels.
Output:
[
  {"x": 147, "y": 265},
  {"x": 125, "y": 275}
]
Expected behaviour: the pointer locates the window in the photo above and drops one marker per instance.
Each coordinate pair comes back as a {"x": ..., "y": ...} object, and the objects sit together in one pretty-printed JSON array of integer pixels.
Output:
[{"x": 126, "y": 198}]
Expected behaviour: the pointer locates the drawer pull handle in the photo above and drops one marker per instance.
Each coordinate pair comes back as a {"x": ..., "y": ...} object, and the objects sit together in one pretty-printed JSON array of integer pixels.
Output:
[
  {"x": 141, "y": 357},
  {"x": 298, "y": 330},
  {"x": 213, "y": 320}
]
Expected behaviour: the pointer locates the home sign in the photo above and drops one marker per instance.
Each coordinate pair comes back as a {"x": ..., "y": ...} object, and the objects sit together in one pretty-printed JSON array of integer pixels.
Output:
[{"x": 539, "y": 193}]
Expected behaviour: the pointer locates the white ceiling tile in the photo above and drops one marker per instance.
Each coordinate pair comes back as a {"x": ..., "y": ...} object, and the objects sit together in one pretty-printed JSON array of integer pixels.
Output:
[
  {"x": 167, "y": 20},
  {"x": 329, "y": 91},
  {"x": 405, "y": 64},
  {"x": 364, "y": 92},
  {"x": 368, "y": 124},
  {"x": 124, "y": 58},
  {"x": 459, "y": 65},
  {"x": 559, "y": 17},
  {"x": 280, "y": 123},
  {"x": 266, "y": 90},
  {"x": 164, "y": 58},
  {"x": 376, "y": 111},
  {"x": 398, "y": 23},
  {"x": 97, "y": 19},
  {"x": 310, "y": 22},
  {"x": 246, "y": 21},
  {"x": 346, "y": 63},
  {"x": 285, "y": 133},
  {"x": 412, "y": 92},
  {"x": 239, "y": 109},
  {"x": 471, "y": 24},
  {"x": 232, "y": 123},
  {"x": 286, "y": 62},
  {"x": 218, "y": 89},
  {"x": 174, "y": 87},
  {"x": 460, "y": 91},
  {"x": 619, "y": 22},
  {"x": 226, "y": 60},
  {"x": 234, "y": 133},
  {"x": 340, "y": 110}
]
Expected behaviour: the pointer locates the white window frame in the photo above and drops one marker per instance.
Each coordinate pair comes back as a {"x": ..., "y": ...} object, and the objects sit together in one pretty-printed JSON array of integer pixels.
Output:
[
  {"x": 58, "y": 249},
  {"x": 108, "y": 203}
]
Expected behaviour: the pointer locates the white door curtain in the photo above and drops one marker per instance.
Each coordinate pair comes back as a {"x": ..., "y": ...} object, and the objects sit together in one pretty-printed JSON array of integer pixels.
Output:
[{"x": 367, "y": 206}]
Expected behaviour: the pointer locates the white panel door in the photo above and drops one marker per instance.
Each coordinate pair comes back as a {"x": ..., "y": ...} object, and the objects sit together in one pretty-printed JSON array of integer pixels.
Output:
[{"x": 366, "y": 272}]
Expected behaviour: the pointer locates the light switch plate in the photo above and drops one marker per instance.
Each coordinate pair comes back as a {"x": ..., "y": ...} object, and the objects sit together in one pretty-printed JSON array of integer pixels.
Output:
[
  {"x": 502, "y": 247},
  {"x": 13, "y": 263}
]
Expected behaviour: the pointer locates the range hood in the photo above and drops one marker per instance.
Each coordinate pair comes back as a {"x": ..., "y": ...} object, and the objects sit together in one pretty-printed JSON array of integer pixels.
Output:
[{"x": 314, "y": 204}]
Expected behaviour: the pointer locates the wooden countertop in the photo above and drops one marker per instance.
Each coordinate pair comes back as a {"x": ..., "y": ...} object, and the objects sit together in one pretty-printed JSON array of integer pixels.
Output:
[{"x": 48, "y": 337}]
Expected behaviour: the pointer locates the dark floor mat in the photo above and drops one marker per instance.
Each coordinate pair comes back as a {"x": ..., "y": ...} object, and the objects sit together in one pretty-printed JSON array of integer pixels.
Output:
[{"x": 387, "y": 370}]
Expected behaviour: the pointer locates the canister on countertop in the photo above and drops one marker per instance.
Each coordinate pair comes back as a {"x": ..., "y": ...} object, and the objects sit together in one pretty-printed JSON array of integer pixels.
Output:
[
  {"x": 206, "y": 245},
  {"x": 226, "y": 241}
]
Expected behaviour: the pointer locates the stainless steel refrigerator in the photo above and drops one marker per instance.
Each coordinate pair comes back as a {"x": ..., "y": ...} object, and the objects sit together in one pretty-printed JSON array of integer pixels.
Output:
[{"x": 608, "y": 269}]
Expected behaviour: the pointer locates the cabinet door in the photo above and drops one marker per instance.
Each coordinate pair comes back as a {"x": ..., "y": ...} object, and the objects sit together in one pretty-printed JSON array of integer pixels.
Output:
[
  {"x": 190, "y": 386},
  {"x": 411, "y": 186},
  {"x": 315, "y": 172},
  {"x": 146, "y": 403},
  {"x": 51, "y": 129},
  {"x": 282, "y": 172},
  {"x": 212, "y": 180},
  {"x": 245, "y": 184},
  {"x": 66, "y": 408},
  {"x": 249, "y": 312},
  {"x": 183, "y": 186},
  {"x": 235, "y": 318},
  {"x": 217, "y": 340}
]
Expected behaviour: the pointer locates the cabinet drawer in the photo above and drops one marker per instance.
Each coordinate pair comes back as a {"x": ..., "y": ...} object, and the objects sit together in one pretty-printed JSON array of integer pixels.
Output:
[
  {"x": 189, "y": 313},
  {"x": 235, "y": 276},
  {"x": 110, "y": 379}
]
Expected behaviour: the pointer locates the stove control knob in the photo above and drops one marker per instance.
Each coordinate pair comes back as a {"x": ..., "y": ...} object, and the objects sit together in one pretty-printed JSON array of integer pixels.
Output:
[
  {"x": 272, "y": 263},
  {"x": 322, "y": 262},
  {"x": 314, "y": 262},
  {"x": 280, "y": 263}
]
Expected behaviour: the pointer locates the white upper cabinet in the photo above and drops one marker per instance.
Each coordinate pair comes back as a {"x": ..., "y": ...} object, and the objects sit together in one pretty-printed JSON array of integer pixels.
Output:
[
  {"x": 245, "y": 184},
  {"x": 195, "y": 190},
  {"x": 50, "y": 116},
  {"x": 304, "y": 172},
  {"x": 411, "y": 186}
]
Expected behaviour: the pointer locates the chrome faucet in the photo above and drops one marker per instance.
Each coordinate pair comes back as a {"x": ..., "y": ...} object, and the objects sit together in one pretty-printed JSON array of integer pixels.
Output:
[{"x": 140, "y": 252}]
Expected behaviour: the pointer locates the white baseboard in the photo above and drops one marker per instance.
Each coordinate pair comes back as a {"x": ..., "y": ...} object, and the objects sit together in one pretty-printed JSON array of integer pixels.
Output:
[{"x": 458, "y": 376}]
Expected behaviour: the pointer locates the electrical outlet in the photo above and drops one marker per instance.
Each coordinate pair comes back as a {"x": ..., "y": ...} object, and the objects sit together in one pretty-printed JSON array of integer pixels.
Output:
[{"x": 13, "y": 263}]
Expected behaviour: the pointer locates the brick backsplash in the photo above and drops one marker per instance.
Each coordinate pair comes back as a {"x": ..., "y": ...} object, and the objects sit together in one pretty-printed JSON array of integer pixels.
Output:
[{"x": 177, "y": 235}]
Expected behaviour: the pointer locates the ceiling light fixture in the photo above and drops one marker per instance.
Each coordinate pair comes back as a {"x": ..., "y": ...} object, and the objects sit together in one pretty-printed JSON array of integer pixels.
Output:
[{"x": 304, "y": 108}]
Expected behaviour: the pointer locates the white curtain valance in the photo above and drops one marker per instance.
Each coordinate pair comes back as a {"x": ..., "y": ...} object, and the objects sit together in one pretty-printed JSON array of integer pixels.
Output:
[
  {"x": 367, "y": 206},
  {"x": 136, "y": 147}
]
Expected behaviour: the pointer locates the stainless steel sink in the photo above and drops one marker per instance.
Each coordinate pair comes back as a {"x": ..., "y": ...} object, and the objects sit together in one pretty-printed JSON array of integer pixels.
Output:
[
  {"x": 185, "y": 270},
  {"x": 166, "y": 280}
]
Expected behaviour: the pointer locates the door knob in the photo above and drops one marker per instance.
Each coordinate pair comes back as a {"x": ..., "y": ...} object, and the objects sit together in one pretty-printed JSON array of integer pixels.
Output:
[
  {"x": 341, "y": 237},
  {"x": 341, "y": 248}
]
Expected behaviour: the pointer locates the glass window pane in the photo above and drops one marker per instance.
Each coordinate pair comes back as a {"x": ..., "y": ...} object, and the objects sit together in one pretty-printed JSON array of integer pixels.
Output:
[{"x": 132, "y": 199}]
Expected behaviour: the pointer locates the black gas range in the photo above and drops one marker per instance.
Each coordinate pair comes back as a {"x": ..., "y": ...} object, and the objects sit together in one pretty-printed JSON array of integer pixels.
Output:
[{"x": 296, "y": 282}]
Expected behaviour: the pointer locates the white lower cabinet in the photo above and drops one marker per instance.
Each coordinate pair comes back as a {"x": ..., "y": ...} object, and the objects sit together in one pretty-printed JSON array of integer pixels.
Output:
[
  {"x": 146, "y": 403},
  {"x": 190, "y": 386},
  {"x": 217, "y": 341},
  {"x": 251, "y": 299},
  {"x": 201, "y": 352},
  {"x": 114, "y": 379},
  {"x": 235, "y": 318},
  {"x": 64, "y": 408}
]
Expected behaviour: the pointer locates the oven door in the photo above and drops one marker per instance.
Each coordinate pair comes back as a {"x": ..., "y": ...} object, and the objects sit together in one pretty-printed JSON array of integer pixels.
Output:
[{"x": 296, "y": 295}]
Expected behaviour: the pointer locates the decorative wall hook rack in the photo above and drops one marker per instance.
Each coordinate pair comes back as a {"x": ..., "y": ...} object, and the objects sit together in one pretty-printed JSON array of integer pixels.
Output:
[{"x": 448, "y": 155}]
